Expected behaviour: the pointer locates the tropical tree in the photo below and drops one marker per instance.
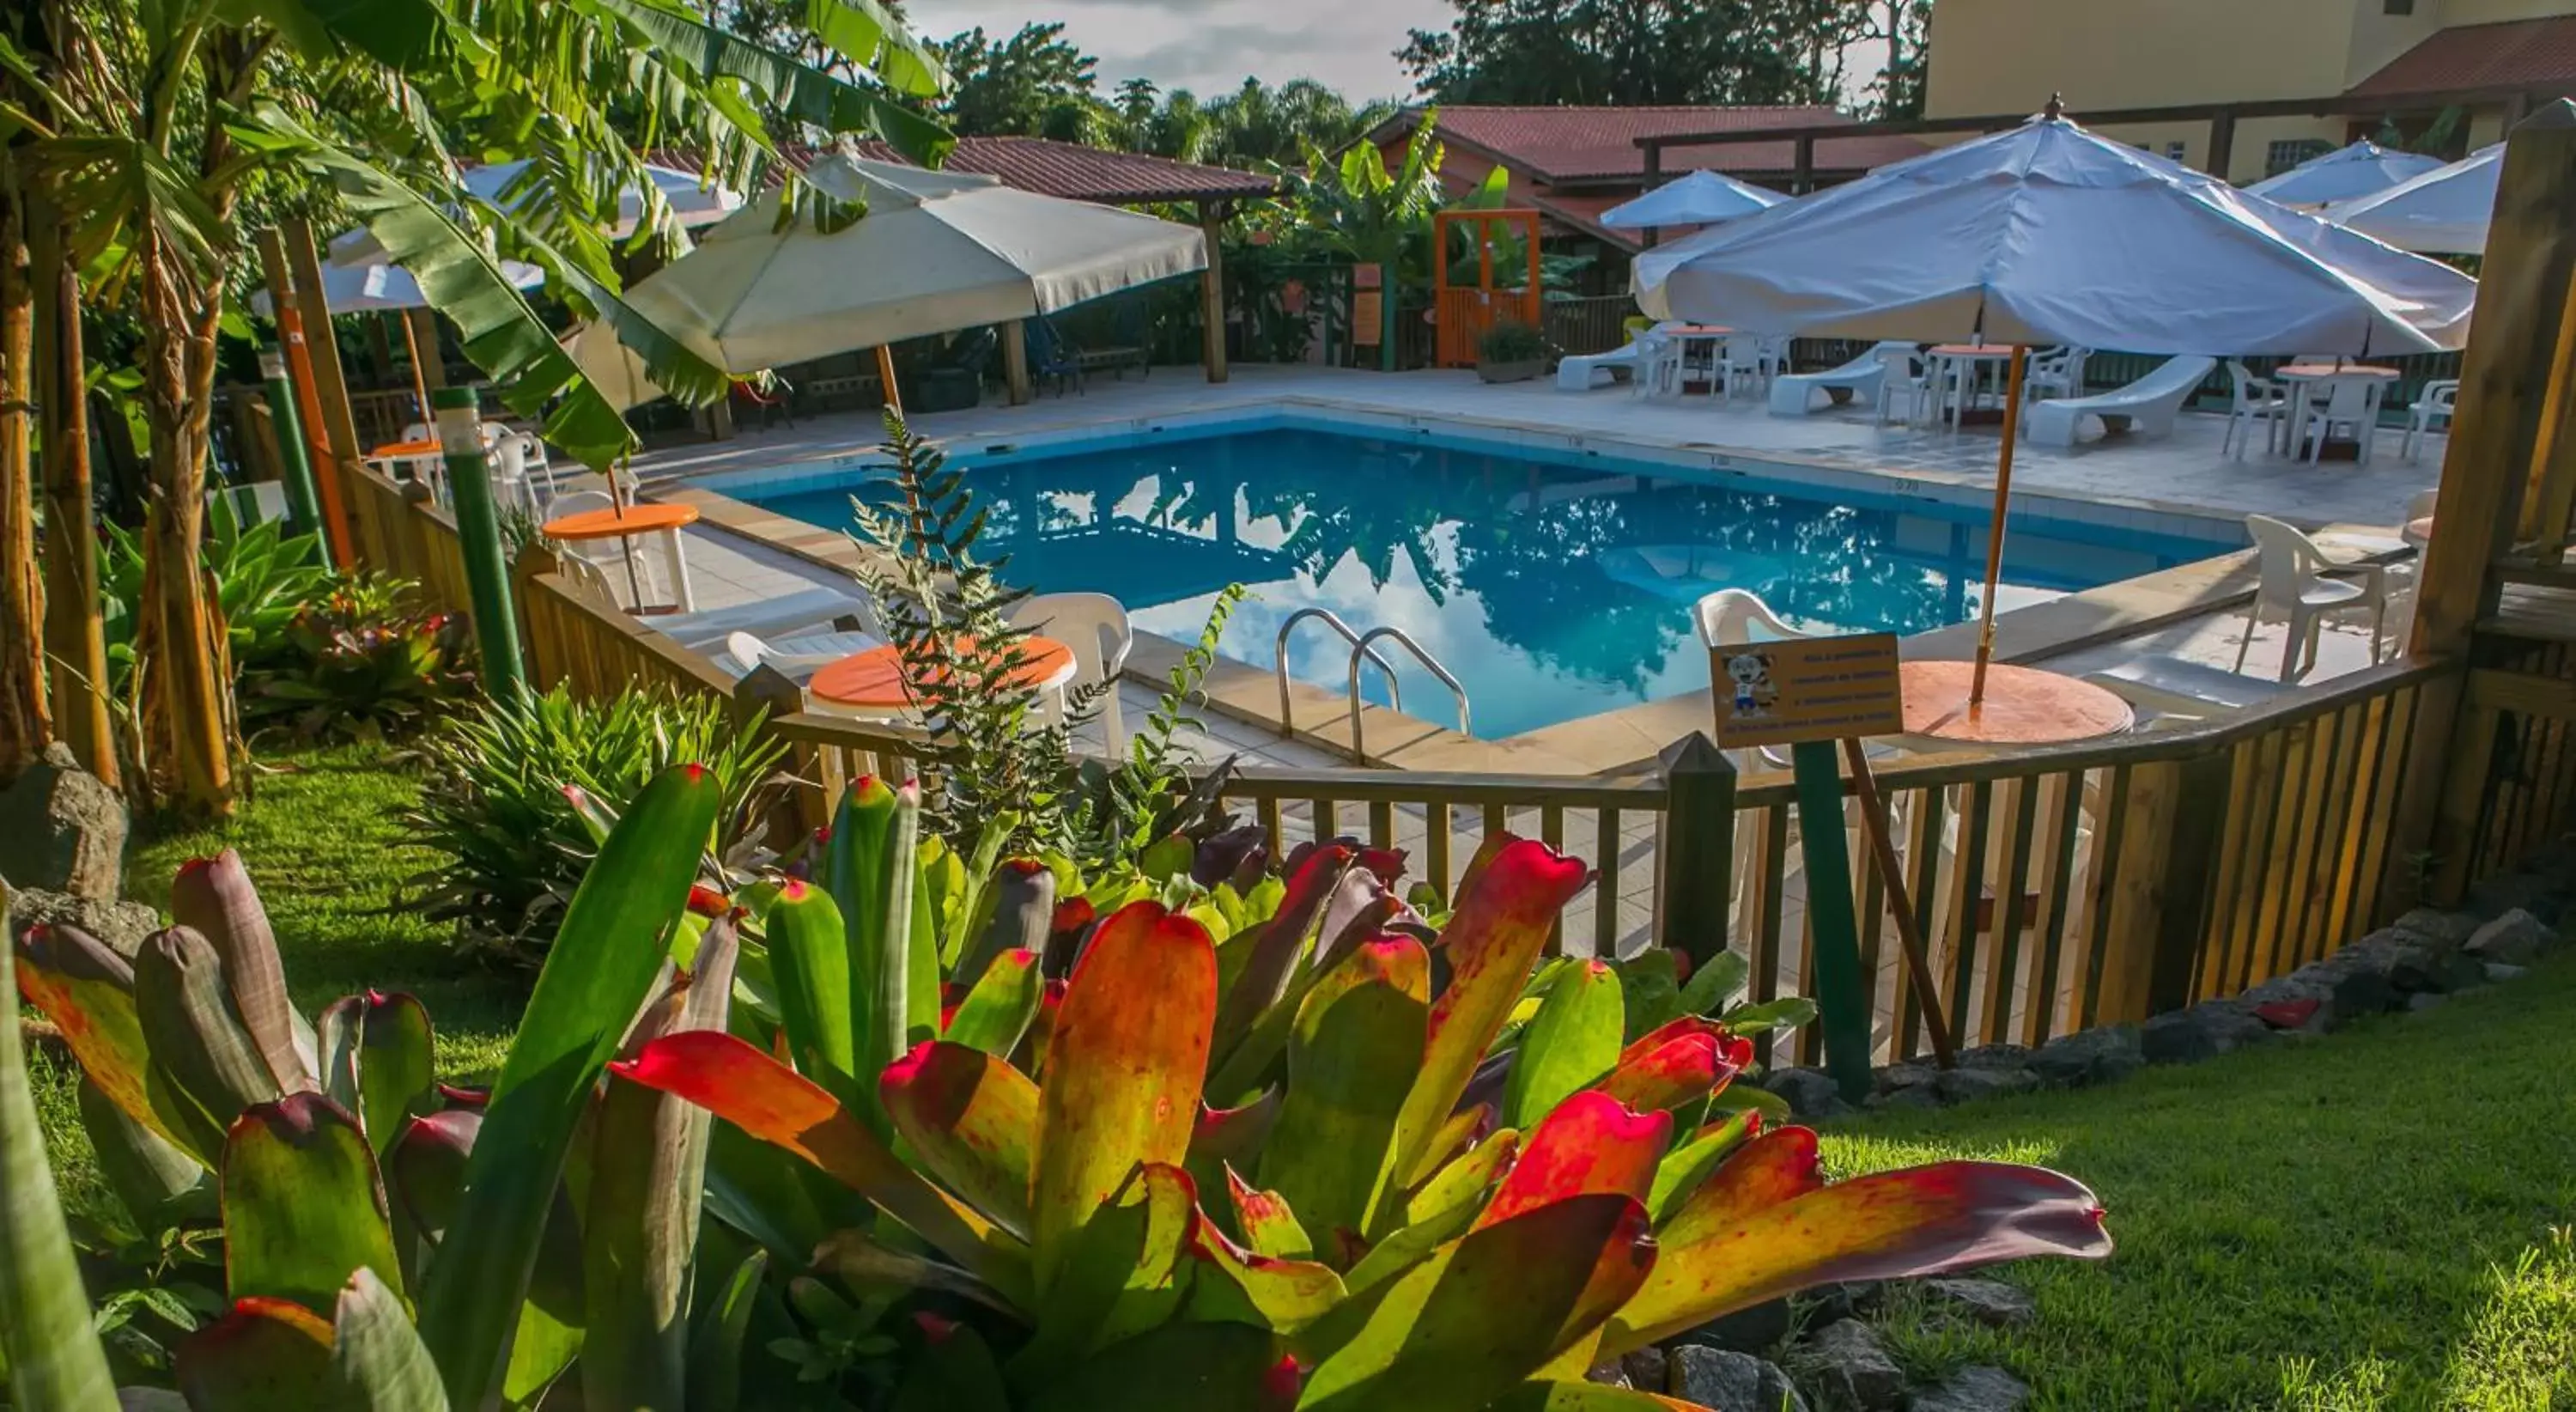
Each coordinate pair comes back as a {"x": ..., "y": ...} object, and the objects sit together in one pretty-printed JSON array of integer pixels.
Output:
[
  {"x": 1355, "y": 205},
  {"x": 1626, "y": 52},
  {"x": 149, "y": 134}
]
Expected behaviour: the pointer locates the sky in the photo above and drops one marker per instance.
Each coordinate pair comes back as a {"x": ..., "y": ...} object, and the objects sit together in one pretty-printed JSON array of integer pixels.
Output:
[{"x": 1209, "y": 46}]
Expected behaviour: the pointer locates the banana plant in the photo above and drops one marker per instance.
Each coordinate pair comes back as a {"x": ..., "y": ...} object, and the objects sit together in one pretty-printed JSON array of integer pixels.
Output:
[
  {"x": 523, "y": 1224},
  {"x": 1286, "y": 1169}
]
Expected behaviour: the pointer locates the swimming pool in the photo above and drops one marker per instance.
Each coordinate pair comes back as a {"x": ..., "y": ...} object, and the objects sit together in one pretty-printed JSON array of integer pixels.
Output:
[{"x": 1555, "y": 584}]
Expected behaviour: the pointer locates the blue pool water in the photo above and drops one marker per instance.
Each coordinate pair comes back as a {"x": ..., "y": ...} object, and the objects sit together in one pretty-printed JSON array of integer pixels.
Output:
[{"x": 1554, "y": 585}]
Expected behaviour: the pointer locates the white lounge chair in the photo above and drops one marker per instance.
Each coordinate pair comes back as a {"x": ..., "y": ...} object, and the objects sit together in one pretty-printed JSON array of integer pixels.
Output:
[
  {"x": 799, "y": 657},
  {"x": 1577, "y": 373},
  {"x": 789, "y": 613},
  {"x": 2177, "y": 686},
  {"x": 2147, "y": 406},
  {"x": 1794, "y": 394}
]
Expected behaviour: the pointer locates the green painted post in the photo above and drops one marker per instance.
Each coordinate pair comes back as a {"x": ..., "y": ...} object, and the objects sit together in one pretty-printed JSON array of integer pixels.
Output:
[
  {"x": 1842, "y": 996},
  {"x": 478, "y": 531},
  {"x": 303, "y": 506}
]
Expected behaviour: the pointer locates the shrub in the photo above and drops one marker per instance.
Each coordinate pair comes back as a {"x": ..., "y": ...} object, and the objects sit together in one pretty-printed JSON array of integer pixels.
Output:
[
  {"x": 364, "y": 664},
  {"x": 1512, "y": 341},
  {"x": 516, "y": 793},
  {"x": 1087, "y": 1167}
]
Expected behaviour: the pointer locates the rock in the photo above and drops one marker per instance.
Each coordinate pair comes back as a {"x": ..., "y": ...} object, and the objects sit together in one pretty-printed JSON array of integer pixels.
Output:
[
  {"x": 1919, "y": 1097},
  {"x": 61, "y": 830},
  {"x": 1647, "y": 1369},
  {"x": 1963, "y": 1084},
  {"x": 1995, "y": 1056},
  {"x": 1828, "y": 1304},
  {"x": 2425, "y": 1000},
  {"x": 2428, "y": 966},
  {"x": 1989, "y": 1302},
  {"x": 1972, "y": 1390},
  {"x": 1810, "y": 1093},
  {"x": 2089, "y": 1057},
  {"x": 1727, "y": 1381},
  {"x": 1851, "y": 1367},
  {"x": 2442, "y": 928},
  {"x": 1898, "y": 1076},
  {"x": 2517, "y": 938},
  {"x": 1613, "y": 1373},
  {"x": 2355, "y": 987},
  {"x": 2204, "y": 1031},
  {"x": 122, "y": 925},
  {"x": 2498, "y": 972},
  {"x": 1754, "y": 1330}
]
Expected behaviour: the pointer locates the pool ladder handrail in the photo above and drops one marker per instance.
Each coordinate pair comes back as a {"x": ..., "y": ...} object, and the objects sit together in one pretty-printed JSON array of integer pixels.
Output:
[
  {"x": 1330, "y": 619},
  {"x": 1421, "y": 654}
]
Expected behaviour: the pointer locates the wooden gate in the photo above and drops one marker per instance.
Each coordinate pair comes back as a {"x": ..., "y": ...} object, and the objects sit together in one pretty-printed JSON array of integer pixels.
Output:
[{"x": 1464, "y": 313}]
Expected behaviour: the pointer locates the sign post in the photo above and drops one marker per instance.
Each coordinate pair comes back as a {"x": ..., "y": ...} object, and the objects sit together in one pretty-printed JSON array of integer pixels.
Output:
[{"x": 1808, "y": 693}]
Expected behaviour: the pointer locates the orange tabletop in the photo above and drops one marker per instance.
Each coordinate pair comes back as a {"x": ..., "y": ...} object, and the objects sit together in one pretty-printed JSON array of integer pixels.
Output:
[
  {"x": 612, "y": 523},
  {"x": 403, "y": 450},
  {"x": 2420, "y": 529},
  {"x": 1973, "y": 350},
  {"x": 2023, "y": 706},
  {"x": 2329, "y": 370},
  {"x": 1698, "y": 330},
  {"x": 875, "y": 677}
]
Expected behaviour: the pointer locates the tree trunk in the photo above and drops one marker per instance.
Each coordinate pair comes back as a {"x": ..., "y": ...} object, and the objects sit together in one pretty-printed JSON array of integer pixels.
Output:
[
  {"x": 183, "y": 690},
  {"x": 75, "y": 641},
  {"x": 24, "y": 730}
]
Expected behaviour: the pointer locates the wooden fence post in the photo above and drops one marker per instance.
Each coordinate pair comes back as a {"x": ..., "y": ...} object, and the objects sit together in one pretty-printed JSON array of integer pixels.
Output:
[
  {"x": 407, "y": 543},
  {"x": 1695, "y": 861},
  {"x": 2189, "y": 863},
  {"x": 767, "y": 691}
]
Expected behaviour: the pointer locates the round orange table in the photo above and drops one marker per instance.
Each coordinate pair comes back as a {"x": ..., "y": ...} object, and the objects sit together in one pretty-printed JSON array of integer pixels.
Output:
[
  {"x": 875, "y": 679},
  {"x": 613, "y": 523},
  {"x": 2023, "y": 705},
  {"x": 406, "y": 450}
]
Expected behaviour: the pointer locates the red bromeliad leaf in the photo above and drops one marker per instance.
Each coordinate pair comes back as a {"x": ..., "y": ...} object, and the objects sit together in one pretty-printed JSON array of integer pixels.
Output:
[
  {"x": 1481, "y": 1313},
  {"x": 1282, "y": 941},
  {"x": 972, "y": 1120},
  {"x": 771, "y": 1102},
  {"x": 1500, "y": 924},
  {"x": 1031, "y": 1055},
  {"x": 1363, "y": 1022},
  {"x": 1224, "y": 1137},
  {"x": 1676, "y": 1073},
  {"x": 1890, "y": 1225},
  {"x": 1591, "y": 1143},
  {"x": 264, "y": 1354},
  {"x": 1123, "y": 1069},
  {"x": 87, "y": 990},
  {"x": 215, "y": 896},
  {"x": 1778, "y": 1166},
  {"x": 1734, "y": 1052},
  {"x": 1387, "y": 864},
  {"x": 1268, "y": 1224}
]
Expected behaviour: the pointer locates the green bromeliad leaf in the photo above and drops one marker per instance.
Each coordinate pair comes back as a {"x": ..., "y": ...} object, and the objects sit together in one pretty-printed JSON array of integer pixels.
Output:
[
  {"x": 215, "y": 896},
  {"x": 809, "y": 963},
  {"x": 1127, "y": 1271},
  {"x": 1362, "y": 1024},
  {"x": 377, "y": 1358},
  {"x": 205, "y": 1067},
  {"x": 972, "y": 1121},
  {"x": 87, "y": 990},
  {"x": 379, "y": 1062},
  {"x": 264, "y": 1353},
  {"x": 1573, "y": 1041},
  {"x": 302, "y": 1204},
  {"x": 998, "y": 1011},
  {"x": 160, "y": 1184}
]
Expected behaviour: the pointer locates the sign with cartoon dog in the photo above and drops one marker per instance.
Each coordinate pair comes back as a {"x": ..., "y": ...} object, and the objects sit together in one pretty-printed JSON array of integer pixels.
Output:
[{"x": 1812, "y": 688}]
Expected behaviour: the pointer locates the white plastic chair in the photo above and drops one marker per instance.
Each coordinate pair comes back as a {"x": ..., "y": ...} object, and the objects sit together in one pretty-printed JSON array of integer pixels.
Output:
[
  {"x": 2294, "y": 588},
  {"x": 1742, "y": 360},
  {"x": 2057, "y": 372},
  {"x": 1095, "y": 626},
  {"x": 1909, "y": 380},
  {"x": 2419, "y": 506},
  {"x": 2256, "y": 400},
  {"x": 2350, "y": 402},
  {"x": 2436, "y": 401}
]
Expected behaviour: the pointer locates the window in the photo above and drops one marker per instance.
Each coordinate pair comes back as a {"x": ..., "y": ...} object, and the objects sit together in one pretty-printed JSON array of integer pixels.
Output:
[
  {"x": 2173, "y": 151},
  {"x": 2397, "y": 7},
  {"x": 2279, "y": 157}
]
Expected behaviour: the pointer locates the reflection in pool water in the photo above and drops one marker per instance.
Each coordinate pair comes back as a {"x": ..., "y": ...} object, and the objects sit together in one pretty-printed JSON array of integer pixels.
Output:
[{"x": 1552, "y": 590}]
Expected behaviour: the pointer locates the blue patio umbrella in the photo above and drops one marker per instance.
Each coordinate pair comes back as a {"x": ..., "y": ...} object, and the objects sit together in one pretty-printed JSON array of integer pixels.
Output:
[
  {"x": 1702, "y": 198},
  {"x": 2345, "y": 174}
]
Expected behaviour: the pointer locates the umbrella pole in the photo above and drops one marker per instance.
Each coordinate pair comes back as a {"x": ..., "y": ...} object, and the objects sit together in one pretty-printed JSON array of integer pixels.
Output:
[
  {"x": 625, "y": 543},
  {"x": 1995, "y": 530},
  {"x": 411, "y": 345},
  {"x": 885, "y": 374}
]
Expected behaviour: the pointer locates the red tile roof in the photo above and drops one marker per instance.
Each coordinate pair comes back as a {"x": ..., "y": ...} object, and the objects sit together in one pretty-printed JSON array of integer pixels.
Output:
[
  {"x": 1090, "y": 173},
  {"x": 2510, "y": 54},
  {"x": 1578, "y": 144}
]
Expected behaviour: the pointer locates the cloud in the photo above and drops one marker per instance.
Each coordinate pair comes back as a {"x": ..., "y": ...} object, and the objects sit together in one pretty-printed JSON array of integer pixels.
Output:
[{"x": 1211, "y": 45}]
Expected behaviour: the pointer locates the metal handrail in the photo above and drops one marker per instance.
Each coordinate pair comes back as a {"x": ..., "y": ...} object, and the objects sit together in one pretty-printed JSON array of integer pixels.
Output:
[
  {"x": 1279, "y": 657},
  {"x": 1420, "y": 654}
]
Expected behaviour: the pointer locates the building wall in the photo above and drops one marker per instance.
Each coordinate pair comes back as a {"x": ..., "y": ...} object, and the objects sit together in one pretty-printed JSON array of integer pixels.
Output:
[{"x": 1998, "y": 56}]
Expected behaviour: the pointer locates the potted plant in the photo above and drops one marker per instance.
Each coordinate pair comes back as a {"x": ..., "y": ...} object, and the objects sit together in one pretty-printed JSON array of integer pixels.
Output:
[{"x": 1511, "y": 351}]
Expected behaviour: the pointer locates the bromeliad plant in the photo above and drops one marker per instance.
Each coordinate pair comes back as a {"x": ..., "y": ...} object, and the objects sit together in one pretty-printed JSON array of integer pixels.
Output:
[{"x": 1285, "y": 1168}]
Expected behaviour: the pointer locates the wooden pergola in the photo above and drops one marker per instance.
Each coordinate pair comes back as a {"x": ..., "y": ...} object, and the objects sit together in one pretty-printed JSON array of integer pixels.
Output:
[{"x": 1078, "y": 173}]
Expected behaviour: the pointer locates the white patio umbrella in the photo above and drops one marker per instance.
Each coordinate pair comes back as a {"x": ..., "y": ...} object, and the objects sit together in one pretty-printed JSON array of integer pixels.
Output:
[
  {"x": 2050, "y": 234},
  {"x": 2443, "y": 212},
  {"x": 936, "y": 252},
  {"x": 695, "y": 205},
  {"x": 1700, "y": 198},
  {"x": 2345, "y": 174},
  {"x": 374, "y": 286}
]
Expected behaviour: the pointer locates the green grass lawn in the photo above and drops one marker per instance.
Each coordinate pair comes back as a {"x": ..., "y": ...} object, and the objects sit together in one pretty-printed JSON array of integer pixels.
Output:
[
  {"x": 2377, "y": 1219},
  {"x": 325, "y": 842}
]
